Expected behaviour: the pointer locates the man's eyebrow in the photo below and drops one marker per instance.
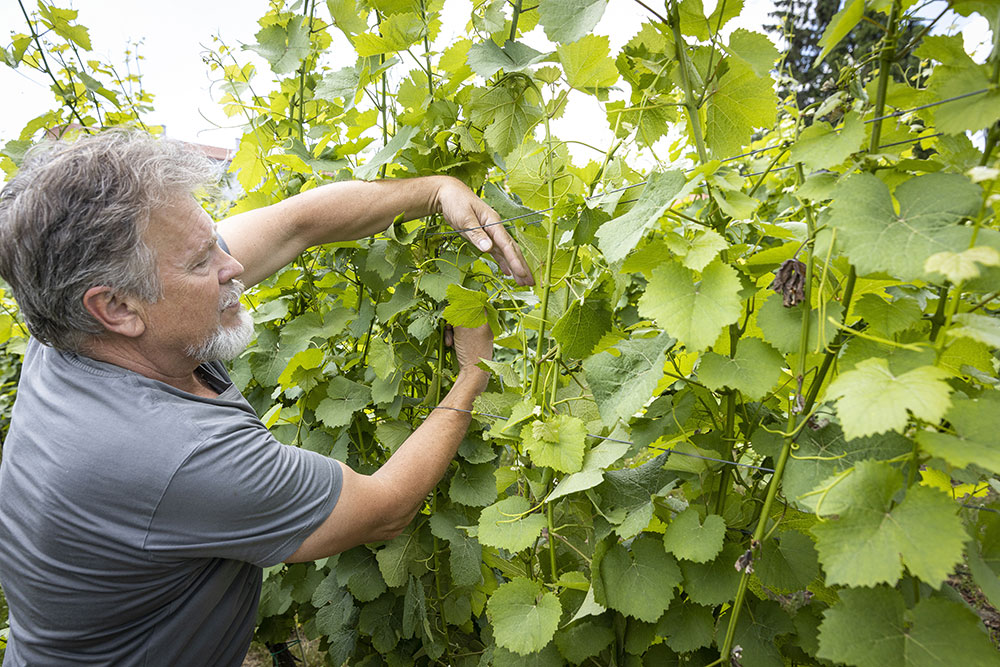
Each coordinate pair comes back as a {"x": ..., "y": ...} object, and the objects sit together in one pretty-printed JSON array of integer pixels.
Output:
[{"x": 209, "y": 244}]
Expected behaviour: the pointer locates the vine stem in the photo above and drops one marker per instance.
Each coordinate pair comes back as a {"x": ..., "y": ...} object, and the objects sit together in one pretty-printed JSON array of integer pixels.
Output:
[
  {"x": 779, "y": 469},
  {"x": 48, "y": 69},
  {"x": 549, "y": 254},
  {"x": 690, "y": 101}
]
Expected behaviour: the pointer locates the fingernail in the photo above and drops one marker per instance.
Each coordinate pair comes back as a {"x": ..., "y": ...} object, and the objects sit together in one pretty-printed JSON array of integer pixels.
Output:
[{"x": 484, "y": 244}]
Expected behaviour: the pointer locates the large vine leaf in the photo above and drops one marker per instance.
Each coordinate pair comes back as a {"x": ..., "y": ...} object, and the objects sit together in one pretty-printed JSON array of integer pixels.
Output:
[
  {"x": 689, "y": 538},
  {"x": 623, "y": 383},
  {"x": 639, "y": 581},
  {"x": 872, "y": 399},
  {"x": 976, "y": 423},
  {"x": 619, "y": 236},
  {"x": 872, "y": 628},
  {"x": 753, "y": 370},
  {"x": 872, "y": 540},
  {"x": 929, "y": 208},
  {"x": 568, "y": 20},
  {"x": 739, "y": 102},
  {"x": 524, "y": 615},
  {"x": 821, "y": 147},
  {"x": 556, "y": 442},
  {"x": 824, "y": 453},
  {"x": 587, "y": 63},
  {"x": 344, "y": 398},
  {"x": 507, "y": 525},
  {"x": 694, "y": 311}
]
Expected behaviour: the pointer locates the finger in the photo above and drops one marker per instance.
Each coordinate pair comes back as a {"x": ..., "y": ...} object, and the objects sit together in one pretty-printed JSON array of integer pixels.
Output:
[
  {"x": 474, "y": 232},
  {"x": 507, "y": 253},
  {"x": 449, "y": 335}
]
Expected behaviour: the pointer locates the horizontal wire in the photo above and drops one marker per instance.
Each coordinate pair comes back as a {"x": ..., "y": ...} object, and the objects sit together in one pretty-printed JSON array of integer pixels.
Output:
[
  {"x": 894, "y": 114},
  {"x": 624, "y": 442},
  {"x": 674, "y": 451}
]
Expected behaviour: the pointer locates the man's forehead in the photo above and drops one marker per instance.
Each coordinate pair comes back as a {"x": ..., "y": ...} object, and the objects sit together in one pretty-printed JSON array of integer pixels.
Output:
[{"x": 184, "y": 225}]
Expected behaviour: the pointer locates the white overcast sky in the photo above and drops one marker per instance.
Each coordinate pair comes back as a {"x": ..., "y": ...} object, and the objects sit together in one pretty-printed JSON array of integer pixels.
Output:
[{"x": 174, "y": 39}]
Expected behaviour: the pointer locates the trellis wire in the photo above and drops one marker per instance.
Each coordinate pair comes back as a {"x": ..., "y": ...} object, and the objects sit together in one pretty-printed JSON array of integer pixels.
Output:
[
  {"x": 675, "y": 451},
  {"x": 756, "y": 151},
  {"x": 624, "y": 442}
]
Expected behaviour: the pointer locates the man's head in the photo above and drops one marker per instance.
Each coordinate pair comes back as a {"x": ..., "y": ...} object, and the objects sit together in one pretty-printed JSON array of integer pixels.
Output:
[{"x": 80, "y": 215}]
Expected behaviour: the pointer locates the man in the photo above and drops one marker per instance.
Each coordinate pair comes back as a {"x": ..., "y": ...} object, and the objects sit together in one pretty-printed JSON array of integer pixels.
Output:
[{"x": 140, "y": 496}]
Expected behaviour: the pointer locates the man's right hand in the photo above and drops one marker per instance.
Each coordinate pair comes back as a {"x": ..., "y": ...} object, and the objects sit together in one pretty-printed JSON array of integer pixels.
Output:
[{"x": 471, "y": 347}]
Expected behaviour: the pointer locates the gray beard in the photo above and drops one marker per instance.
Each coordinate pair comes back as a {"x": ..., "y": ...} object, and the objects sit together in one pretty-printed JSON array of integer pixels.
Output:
[{"x": 227, "y": 342}]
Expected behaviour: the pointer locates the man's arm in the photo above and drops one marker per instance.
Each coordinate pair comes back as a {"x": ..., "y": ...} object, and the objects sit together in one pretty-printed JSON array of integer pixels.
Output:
[
  {"x": 266, "y": 239},
  {"x": 377, "y": 507}
]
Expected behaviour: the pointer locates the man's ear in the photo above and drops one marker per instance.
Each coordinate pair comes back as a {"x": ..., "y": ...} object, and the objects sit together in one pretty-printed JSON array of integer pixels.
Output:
[{"x": 118, "y": 313}]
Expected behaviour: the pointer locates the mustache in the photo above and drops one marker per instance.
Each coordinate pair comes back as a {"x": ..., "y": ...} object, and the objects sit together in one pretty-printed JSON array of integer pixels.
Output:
[{"x": 234, "y": 290}]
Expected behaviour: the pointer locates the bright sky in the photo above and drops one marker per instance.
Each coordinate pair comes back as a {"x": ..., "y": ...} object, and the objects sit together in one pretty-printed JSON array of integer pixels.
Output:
[{"x": 173, "y": 42}]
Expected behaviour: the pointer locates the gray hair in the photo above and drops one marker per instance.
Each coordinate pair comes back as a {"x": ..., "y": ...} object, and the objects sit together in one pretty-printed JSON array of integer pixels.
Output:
[{"x": 74, "y": 217}]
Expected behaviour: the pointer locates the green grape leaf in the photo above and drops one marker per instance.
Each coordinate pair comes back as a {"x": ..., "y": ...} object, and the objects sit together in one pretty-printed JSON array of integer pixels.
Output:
[
  {"x": 622, "y": 384},
  {"x": 399, "y": 141},
  {"x": 592, "y": 473},
  {"x": 487, "y": 58},
  {"x": 754, "y": 370},
  {"x": 693, "y": 311},
  {"x": 506, "y": 113},
  {"x": 688, "y": 538},
  {"x": 568, "y": 20},
  {"x": 957, "y": 75},
  {"x": 556, "y": 442},
  {"x": 358, "y": 570},
  {"x": 838, "y": 27},
  {"x": 507, "y": 524},
  {"x": 716, "y": 582},
  {"x": 587, "y": 64},
  {"x": 982, "y": 328},
  {"x": 339, "y": 84},
  {"x": 756, "y": 49},
  {"x": 473, "y": 485},
  {"x": 976, "y": 423},
  {"x": 787, "y": 563},
  {"x": 739, "y": 102},
  {"x": 870, "y": 543},
  {"x": 583, "y": 639},
  {"x": 283, "y": 46},
  {"x": 639, "y": 581},
  {"x": 929, "y": 208},
  {"x": 695, "y": 23},
  {"x": 872, "y": 399},
  {"x": 583, "y": 325},
  {"x": 872, "y": 628},
  {"x": 378, "y": 621},
  {"x": 782, "y": 327},
  {"x": 466, "y": 308},
  {"x": 619, "y": 236},
  {"x": 398, "y": 557},
  {"x": 959, "y": 267},
  {"x": 344, "y": 399},
  {"x": 888, "y": 317},
  {"x": 686, "y": 626},
  {"x": 821, "y": 147},
  {"x": 524, "y": 615}
]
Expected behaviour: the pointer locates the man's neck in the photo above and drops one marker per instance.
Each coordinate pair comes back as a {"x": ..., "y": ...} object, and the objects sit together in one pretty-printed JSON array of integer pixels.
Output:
[{"x": 178, "y": 373}]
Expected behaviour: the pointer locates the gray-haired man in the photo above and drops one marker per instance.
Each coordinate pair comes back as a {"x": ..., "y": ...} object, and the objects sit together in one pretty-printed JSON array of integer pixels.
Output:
[{"x": 139, "y": 493}]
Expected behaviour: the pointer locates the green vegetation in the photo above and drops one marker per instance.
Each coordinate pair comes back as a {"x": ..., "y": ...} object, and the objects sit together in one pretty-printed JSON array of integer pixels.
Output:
[{"x": 682, "y": 458}]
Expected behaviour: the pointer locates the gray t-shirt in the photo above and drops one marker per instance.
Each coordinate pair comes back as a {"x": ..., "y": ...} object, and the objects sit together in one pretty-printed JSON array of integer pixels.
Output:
[{"x": 135, "y": 518}]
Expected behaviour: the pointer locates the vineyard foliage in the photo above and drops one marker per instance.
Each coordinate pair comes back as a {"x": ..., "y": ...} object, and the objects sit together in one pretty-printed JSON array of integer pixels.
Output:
[{"x": 748, "y": 415}]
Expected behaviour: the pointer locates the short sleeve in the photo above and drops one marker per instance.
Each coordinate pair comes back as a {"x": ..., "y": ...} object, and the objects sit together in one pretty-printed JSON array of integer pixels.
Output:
[{"x": 243, "y": 495}]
